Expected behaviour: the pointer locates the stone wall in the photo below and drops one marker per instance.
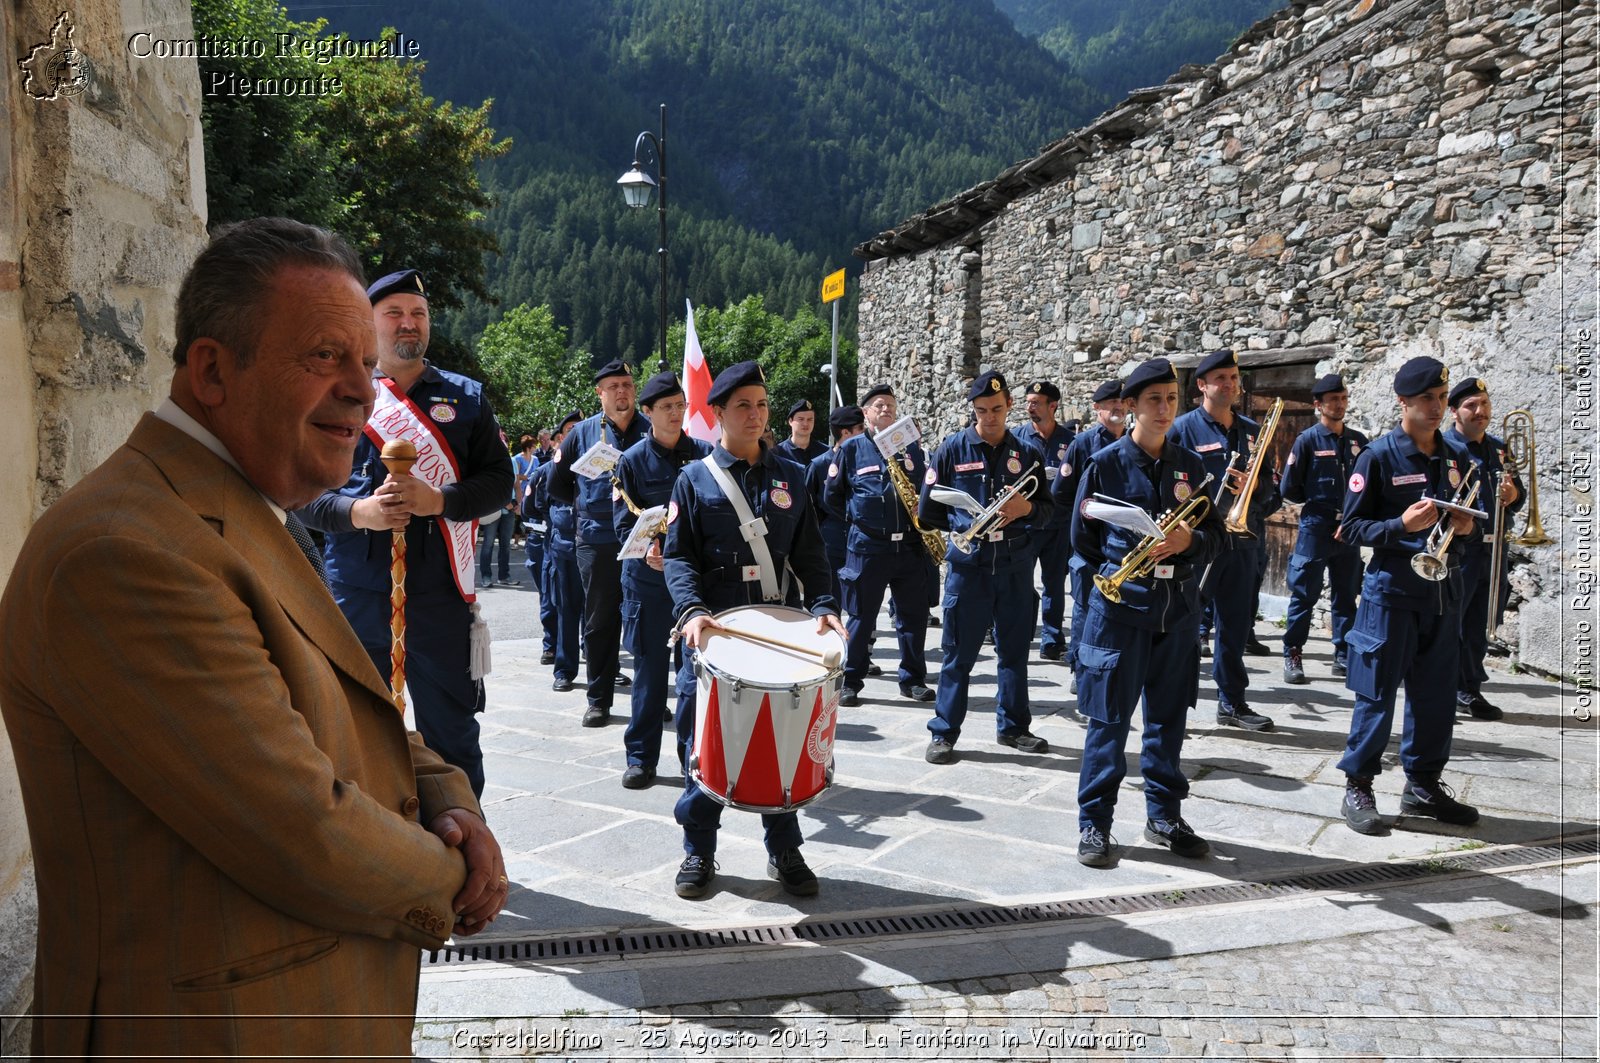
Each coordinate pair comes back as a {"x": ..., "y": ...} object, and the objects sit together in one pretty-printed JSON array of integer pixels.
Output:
[
  {"x": 1353, "y": 184},
  {"x": 102, "y": 204}
]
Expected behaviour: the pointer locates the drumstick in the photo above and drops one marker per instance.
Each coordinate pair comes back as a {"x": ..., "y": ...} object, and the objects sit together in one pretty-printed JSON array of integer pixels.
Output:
[
  {"x": 830, "y": 659},
  {"x": 398, "y": 457}
]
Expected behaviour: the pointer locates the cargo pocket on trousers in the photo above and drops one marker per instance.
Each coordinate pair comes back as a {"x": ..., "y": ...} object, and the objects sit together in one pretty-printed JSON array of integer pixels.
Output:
[
  {"x": 630, "y": 625},
  {"x": 1096, "y": 682},
  {"x": 1364, "y": 663}
]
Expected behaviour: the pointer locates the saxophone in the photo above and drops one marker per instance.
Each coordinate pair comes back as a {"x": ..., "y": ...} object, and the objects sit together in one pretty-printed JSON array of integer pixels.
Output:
[{"x": 932, "y": 541}]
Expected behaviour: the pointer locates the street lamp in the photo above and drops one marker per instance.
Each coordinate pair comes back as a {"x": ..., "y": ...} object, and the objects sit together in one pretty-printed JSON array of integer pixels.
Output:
[{"x": 637, "y": 189}]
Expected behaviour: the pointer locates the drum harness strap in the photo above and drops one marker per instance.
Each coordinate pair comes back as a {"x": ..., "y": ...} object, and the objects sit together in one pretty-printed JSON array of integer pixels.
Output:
[{"x": 751, "y": 527}]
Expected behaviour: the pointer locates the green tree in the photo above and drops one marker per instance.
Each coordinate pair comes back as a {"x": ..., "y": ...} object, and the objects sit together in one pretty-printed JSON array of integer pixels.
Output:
[{"x": 534, "y": 379}]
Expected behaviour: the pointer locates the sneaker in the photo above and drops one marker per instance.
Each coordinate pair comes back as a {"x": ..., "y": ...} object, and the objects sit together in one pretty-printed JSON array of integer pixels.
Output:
[
  {"x": 939, "y": 752},
  {"x": 1241, "y": 716},
  {"x": 1256, "y": 648},
  {"x": 1072, "y": 684},
  {"x": 637, "y": 777},
  {"x": 874, "y": 669},
  {"x": 1294, "y": 670},
  {"x": 916, "y": 692},
  {"x": 666, "y": 714},
  {"x": 1175, "y": 834},
  {"x": 789, "y": 868},
  {"x": 1436, "y": 801},
  {"x": 1340, "y": 669},
  {"x": 1027, "y": 743},
  {"x": 1050, "y": 653},
  {"x": 934, "y": 621},
  {"x": 622, "y": 681},
  {"x": 849, "y": 697},
  {"x": 596, "y": 715},
  {"x": 1477, "y": 707},
  {"x": 1360, "y": 809},
  {"x": 1205, "y": 645},
  {"x": 1094, "y": 848},
  {"x": 694, "y": 876},
  {"x": 561, "y": 685},
  {"x": 547, "y": 657}
]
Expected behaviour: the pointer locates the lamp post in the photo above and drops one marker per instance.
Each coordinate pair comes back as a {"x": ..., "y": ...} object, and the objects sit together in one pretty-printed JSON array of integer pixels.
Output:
[{"x": 637, "y": 188}]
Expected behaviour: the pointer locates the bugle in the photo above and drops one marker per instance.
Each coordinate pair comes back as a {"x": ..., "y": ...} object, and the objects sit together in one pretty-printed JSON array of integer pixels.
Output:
[{"x": 989, "y": 519}]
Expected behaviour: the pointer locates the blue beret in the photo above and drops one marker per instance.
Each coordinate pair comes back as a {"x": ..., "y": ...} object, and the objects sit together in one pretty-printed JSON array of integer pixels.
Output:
[
  {"x": 660, "y": 386},
  {"x": 875, "y": 390},
  {"x": 1325, "y": 384},
  {"x": 1473, "y": 385},
  {"x": 1420, "y": 374},
  {"x": 990, "y": 383},
  {"x": 1045, "y": 388},
  {"x": 1111, "y": 389},
  {"x": 1216, "y": 360},
  {"x": 731, "y": 379},
  {"x": 616, "y": 368},
  {"x": 803, "y": 406},
  {"x": 408, "y": 281},
  {"x": 846, "y": 417},
  {"x": 1155, "y": 371},
  {"x": 572, "y": 418}
]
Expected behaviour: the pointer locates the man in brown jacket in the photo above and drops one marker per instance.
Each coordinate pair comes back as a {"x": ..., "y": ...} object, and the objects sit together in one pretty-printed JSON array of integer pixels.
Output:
[{"x": 240, "y": 850}]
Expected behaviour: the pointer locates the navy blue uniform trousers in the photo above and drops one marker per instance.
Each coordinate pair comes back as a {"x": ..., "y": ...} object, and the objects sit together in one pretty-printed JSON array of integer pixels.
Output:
[
  {"x": 601, "y": 573},
  {"x": 1117, "y": 664},
  {"x": 1054, "y": 552},
  {"x": 439, "y": 688},
  {"x": 561, "y": 598},
  {"x": 863, "y": 581},
  {"x": 646, "y": 624},
  {"x": 1231, "y": 589},
  {"x": 1316, "y": 552},
  {"x": 1475, "y": 619},
  {"x": 976, "y": 600},
  {"x": 1390, "y": 647}
]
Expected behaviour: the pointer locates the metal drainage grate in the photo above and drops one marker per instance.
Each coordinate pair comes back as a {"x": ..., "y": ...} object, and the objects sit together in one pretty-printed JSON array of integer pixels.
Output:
[{"x": 982, "y": 917}]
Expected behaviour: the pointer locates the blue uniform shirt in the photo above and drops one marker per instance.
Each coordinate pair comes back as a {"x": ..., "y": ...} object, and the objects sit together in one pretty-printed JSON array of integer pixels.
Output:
[
  {"x": 1054, "y": 450},
  {"x": 1124, "y": 471},
  {"x": 1064, "y": 488},
  {"x": 1315, "y": 474},
  {"x": 1489, "y": 455},
  {"x": 834, "y": 526},
  {"x": 1198, "y": 431},
  {"x": 563, "y": 535},
  {"x": 592, "y": 496},
  {"x": 859, "y": 486},
  {"x": 647, "y": 472},
  {"x": 802, "y": 458},
  {"x": 965, "y": 461},
  {"x": 457, "y": 409},
  {"x": 1391, "y": 474},
  {"x": 710, "y": 567}
]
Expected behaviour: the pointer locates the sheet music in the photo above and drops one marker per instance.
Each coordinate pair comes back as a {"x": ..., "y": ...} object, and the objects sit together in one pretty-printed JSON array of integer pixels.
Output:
[
  {"x": 644, "y": 530},
  {"x": 597, "y": 460},
  {"x": 1124, "y": 515},
  {"x": 897, "y": 437},
  {"x": 955, "y": 498}
]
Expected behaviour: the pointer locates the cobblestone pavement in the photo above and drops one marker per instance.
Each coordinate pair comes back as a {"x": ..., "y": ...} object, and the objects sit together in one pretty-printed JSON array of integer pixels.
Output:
[{"x": 1520, "y": 986}]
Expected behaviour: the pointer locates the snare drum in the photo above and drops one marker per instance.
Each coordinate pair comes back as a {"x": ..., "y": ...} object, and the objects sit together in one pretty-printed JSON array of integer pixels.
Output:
[{"x": 763, "y": 736}]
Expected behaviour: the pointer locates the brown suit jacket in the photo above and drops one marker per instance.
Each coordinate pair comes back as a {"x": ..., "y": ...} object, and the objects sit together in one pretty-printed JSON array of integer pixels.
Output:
[{"x": 226, "y": 810}]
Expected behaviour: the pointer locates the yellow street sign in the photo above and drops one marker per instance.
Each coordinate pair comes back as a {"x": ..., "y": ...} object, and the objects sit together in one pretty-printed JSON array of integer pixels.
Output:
[{"x": 833, "y": 286}]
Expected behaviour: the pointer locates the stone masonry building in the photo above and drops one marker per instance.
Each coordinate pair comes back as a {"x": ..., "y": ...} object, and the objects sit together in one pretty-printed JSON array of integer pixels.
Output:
[
  {"x": 102, "y": 206},
  {"x": 1353, "y": 184}
]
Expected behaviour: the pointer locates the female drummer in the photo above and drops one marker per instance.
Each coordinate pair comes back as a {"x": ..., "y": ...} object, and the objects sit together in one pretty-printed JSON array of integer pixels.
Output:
[{"x": 718, "y": 558}]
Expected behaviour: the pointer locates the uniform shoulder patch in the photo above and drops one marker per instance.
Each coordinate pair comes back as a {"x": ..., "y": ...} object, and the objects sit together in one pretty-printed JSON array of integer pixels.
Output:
[
  {"x": 1357, "y": 482},
  {"x": 672, "y": 512},
  {"x": 930, "y": 477}
]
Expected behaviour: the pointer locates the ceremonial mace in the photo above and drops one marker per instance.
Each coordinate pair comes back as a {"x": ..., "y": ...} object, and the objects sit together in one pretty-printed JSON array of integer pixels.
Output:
[{"x": 398, "y": 457}]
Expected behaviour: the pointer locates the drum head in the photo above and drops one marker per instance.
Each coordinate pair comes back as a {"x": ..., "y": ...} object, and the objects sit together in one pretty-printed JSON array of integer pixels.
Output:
[{"x": 770, "y": 667}]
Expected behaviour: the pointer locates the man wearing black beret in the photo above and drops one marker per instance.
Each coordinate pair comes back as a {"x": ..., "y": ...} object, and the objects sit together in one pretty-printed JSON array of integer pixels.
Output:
[
  {"x": 1471, "y": 411},
  {"x": 844, "y": 423},
  {"x": 802, "y": 445},
  {"x": 617, "y": 426},
  {"x": 560, "y": 582},
  {"x": 1215, "y": 432},
  {"x": 1318, "y": 467},
  {"x": 451, "y": 419},
  {"x": 645, "y": 475},
  {"x": 990, "y": 587},
  {"x": 1041, "y": 401},
  {"x": 1408, "y": 627}
]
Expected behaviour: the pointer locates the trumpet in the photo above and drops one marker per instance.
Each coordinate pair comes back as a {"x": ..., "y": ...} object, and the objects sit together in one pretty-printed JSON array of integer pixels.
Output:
[
  {"x": 1138, "y": 563},
  {"x": 1431, "y": 563},
  {"x": 1522, "y": 456},
  {"x": 1238, "y": 522},
  {"x": 986, "y": 521}
]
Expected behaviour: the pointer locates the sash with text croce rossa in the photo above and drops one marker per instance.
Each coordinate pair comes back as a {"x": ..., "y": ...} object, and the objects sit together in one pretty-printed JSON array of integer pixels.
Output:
[{"x": 394, "y": 416}]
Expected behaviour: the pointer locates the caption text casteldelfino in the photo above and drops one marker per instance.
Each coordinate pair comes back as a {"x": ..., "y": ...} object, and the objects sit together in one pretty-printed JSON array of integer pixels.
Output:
[{"x": 321, "y": 51}]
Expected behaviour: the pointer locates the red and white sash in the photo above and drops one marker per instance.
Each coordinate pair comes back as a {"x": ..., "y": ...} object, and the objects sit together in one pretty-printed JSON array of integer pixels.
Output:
[{"x": 395, "y": 416}]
